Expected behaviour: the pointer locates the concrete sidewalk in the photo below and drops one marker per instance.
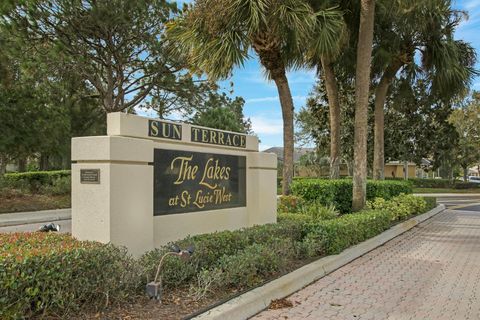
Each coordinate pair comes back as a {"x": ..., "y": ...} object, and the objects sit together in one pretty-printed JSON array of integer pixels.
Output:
[{"x": 19, "y": 218}]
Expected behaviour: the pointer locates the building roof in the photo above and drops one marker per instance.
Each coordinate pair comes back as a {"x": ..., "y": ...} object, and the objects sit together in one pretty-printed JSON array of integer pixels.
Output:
[{"x": 298, "y": 152}]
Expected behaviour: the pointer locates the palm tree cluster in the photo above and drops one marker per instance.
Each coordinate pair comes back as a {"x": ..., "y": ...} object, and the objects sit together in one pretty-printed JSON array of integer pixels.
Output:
[{"x": 371, "y": 42}]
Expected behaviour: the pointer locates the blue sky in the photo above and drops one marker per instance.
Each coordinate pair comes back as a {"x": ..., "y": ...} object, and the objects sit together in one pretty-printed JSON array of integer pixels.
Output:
[{"x": 262, "y": 104}]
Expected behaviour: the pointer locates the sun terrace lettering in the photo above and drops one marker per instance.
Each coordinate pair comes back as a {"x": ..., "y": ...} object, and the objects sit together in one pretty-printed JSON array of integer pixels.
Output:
[
  {"x": 160, "y": 129},
  {"x": 217, "y": 137},
  {"x": 194, "y": 181}
]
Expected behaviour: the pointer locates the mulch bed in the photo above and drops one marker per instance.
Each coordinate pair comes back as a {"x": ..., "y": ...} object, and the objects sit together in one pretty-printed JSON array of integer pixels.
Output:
[
  {"x": 178, "y": 303},
  {"x": 14, "y": 201}
]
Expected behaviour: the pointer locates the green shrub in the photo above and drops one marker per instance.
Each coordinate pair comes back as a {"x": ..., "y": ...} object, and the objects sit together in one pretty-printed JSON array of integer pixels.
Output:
[
  {"x": 431, "y": 202},
  {"x": 211, "y": 248},
  {"x": 318, "y": 211},
  {"x": 293, "y": 217},
  {"x": 465, "y": 185},
  {"x": 333, "y": 236},
  {"x": 58, "y": 186},
  {"x": 289, "y": 203},
  {"x": 251, "y": 266},
  {"x": 439, "y": 183},
  {"x": 34, "y": 181},
  {"x": 339, "y": 192},
  {"x": 400, "y": 207},
  {"x": 46, "y": 273}
]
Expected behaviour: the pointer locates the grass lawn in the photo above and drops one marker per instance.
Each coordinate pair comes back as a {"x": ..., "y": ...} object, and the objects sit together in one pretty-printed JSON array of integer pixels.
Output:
[
  {"x": 18, "y": 202},
  {"x": 445, "y": 190}
]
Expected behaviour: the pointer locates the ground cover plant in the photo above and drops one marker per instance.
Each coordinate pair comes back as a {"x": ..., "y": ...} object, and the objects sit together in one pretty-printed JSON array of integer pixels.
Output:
[{"x": 54, "y": 275}]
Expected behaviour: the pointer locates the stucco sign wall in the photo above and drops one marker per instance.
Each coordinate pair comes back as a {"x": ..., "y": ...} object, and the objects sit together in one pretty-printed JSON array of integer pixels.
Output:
[{"x": 159, "y": 181}]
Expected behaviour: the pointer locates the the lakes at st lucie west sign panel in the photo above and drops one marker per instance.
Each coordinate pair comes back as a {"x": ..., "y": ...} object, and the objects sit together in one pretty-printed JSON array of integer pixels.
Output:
[{"x": 186, "y": 181}]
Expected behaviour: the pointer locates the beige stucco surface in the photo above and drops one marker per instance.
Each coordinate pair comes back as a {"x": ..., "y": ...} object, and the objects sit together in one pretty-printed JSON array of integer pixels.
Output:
[{"x": 120, "y": 209}]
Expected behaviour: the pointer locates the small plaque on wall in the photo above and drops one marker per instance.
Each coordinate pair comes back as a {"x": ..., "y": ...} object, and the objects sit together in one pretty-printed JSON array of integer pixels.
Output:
[{"x": 90, "y": 176}]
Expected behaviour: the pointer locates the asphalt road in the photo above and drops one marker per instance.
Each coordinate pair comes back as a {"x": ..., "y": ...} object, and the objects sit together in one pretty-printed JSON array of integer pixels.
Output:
[
  {"x": 467, "y": 203},
  {"x": 65, "y": 227}
]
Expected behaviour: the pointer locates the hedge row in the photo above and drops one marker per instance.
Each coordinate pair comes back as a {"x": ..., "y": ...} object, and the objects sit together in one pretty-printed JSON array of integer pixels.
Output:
[
  {"x": 42, "y": 274},
  {"x": 438, "y": 183},
  {"x": 56, "y": 182},
  {"x": 339, "y": 192}
]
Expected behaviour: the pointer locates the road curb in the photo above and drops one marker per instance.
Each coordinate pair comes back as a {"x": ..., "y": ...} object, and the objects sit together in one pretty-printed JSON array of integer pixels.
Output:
[
  {"x": 254, "y": 301},
  {"x": 39, "y": 217},
  {"x": 448, "y": 195}
]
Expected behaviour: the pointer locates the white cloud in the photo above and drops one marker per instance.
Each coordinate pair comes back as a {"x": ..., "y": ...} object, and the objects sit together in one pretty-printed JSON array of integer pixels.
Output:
[
  {"x": 296, "y": 99},
  {"x": 266, "y": 125},
  {"x": 472, "y": 4},
  {"x": 263, "y": 99},
  {"x": 144, "y": 112}
]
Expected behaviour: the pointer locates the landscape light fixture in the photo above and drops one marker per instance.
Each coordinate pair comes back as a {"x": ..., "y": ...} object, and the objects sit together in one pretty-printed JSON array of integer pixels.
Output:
[{"x": 154, "y": 288}]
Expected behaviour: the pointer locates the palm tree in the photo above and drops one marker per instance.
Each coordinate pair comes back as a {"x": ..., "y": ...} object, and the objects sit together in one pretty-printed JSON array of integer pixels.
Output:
[
  {"x": 218, "y": 35},
  {"x": 362, "y": 84},
  {"x": 426, "y": 27},
  {"x": 325, "y": 64}
]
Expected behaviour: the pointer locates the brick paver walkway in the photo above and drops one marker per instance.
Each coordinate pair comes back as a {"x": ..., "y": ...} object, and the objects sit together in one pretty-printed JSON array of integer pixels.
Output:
[{"x": 429, "y": 272}]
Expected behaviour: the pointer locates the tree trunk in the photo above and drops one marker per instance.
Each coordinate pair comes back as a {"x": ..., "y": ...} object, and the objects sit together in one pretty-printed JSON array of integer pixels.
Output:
[
  {"x": 287, "y": 113},
  {"x": 43, "y": 163},
  {"x": 405, "y": 170},
  {"x": 379, "y": 129},
  {"x": 335, "y": 117},
  {"x": 22, "y": 165},
  {"x": 465, "y": 174},
  {"x": 362, "y": 82},
  {"x": 3, "y": 165}
]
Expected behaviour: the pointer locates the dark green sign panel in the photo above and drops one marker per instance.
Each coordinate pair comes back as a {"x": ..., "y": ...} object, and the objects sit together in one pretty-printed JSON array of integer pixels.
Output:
[
  {"x": 186, "y": 181},
  {"x": 167, "y": 130}
]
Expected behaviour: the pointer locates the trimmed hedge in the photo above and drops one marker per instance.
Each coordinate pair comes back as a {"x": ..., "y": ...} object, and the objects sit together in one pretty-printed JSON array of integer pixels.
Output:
[
  {"x": 336, "y": 235},
  {"x": 438, "y": 183},
  {"x": 295, "y": 236},
  {"x": 339, "y": 192},
  {"x": 52, "y": 182},
  {"x": 46, "y": 272}
]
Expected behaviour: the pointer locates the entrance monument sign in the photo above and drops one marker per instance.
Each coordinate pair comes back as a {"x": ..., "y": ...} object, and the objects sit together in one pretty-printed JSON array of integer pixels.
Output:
[{"x": 152, "y": 181}]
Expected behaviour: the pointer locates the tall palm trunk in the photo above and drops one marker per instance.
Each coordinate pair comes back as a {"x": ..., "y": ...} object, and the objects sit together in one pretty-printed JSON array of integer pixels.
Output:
[
  {"x": 267, "y": 46},
  {"x": 286, "y": 103},
  {"x": 379, "y": 129},
  {"x": 335, "y": 120},
  {"x": 362, "y": 82}
]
